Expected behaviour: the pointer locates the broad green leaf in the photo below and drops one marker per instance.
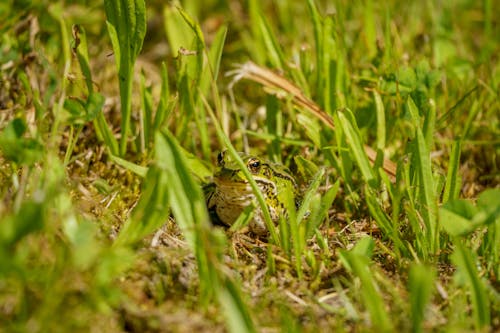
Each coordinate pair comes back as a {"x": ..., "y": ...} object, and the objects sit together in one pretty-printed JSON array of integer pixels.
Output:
[
  {"x": 460, "y": 217},
  {"x": 179, "y": 34},
  {"x": 17, "y": 147},
  {"x": 15, "y": 227}
]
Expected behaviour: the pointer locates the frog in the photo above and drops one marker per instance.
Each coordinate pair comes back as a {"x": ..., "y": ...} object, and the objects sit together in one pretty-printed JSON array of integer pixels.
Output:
[{"x": 230, "y": 193}]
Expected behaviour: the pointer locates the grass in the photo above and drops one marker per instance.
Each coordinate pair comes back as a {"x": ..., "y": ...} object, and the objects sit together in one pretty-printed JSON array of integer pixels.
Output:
[{"x": 112, "y": 114}]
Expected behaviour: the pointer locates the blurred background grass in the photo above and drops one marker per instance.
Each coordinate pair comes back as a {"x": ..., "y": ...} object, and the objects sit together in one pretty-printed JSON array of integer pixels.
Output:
[{"x": 64, "y": 199}]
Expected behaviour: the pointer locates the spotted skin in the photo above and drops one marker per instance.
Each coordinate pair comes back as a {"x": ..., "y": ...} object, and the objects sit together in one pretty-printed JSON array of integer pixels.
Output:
[{"x": 231, "y": 192}]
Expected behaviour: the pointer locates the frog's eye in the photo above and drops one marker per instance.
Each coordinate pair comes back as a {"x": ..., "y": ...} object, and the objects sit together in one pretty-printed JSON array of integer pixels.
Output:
[
  {"x": 253, "y": 165},
  {"x": 220, "y": 158}
]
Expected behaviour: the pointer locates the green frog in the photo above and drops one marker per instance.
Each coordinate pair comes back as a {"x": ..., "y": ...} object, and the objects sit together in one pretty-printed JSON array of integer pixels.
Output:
[{"x": 230, "y": 193}]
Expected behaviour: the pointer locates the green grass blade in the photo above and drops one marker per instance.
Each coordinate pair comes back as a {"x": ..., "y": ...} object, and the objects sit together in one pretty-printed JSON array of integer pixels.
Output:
[
  {"x": 82, "y": 54},
  {"x": 137, "y": 169},
  {"x": 126, "y": 22},
  {"x": 466, "y": 264},
  {"x": 453, "y": 179},
  {"x": 179, "y": 35},
  {"x": 385, "y": 224},
  {"x": 236, "y": 312},
  {"x": 274, "y": 52},
  {"x": 193, "y": 82},
  {"x": 427, "y": 195},
  {"x": 318, "y": 215},
  {"x": 381, "y": 126},
  {"x": 329, "y": 80},
  {"x": 318, "y": 43},
  {"x": 369, "y": 30},
  {"x": 489, "y": 202},
  {"x": 151, "y": 211},
  {"x": 420, "y": 285},
  {"x": 274, "y": 125},
  {"x": 308, "y": 195},
  {"x": 94, "y": 100},
  {"x": 461, "y": 217},
  {"x": 298, "y": 242},
  {"x": 145, "y": 117},
  {"x": 197, "y": 69},
  {"x": 188, "y": 207},
  {"x": 353, "y": 137},
  {"x": 413, "y": 111},
  {"x": 430, "y": 125},
  {"x": 211, "y": 72},
  {"x": 187, "y": 201},
  {"x": 102, "y": 128},
  {"x": 358, "y": 261},
  {"x": 106, "y": 133},
  {"x": 163, "y": 110}
]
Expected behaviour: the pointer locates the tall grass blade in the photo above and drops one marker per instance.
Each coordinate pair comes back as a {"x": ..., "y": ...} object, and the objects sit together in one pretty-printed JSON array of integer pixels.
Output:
[
  {"x": 381, "y": 126},
  {"x": 353, "y": 137},
  {"x": 192, "y": 76},
  {"x": 318, "y": 43},
  {"x": 420, "y": 285},
  {"x": 274, "y": 52},
  {"x": 427, "y": 194},
  {"x": 430, "y": 125},
  {"x": 145, "y": 118},
  {"x": 259, "y": 51},
  {"x": 426, "y": 202},
  {"x": 102, "y": 128},
  {"x": 236, "y": 312},
  {"x": 358, "y": 261},
  {"x": 453, "y": 179},
  {"x": 166, "y": 102},
  {"x": 211, "y": 72},
  {"x": 466, "y": 264},
  {"x": 389, "y": 229},
  {"x": 152, "y": 210},
  {"x": 370, "y": 32},
  {"x": 126, "y": 22},
  {"x": 318, "y": 214}
]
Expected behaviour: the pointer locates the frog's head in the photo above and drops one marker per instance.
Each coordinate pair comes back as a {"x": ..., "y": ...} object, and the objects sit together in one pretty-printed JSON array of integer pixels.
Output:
[{"x": 230, "y": 171}]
